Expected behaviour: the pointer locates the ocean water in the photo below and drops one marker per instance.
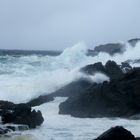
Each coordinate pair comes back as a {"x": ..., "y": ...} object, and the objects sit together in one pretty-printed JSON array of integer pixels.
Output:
[{"x": 26, "y": 76}]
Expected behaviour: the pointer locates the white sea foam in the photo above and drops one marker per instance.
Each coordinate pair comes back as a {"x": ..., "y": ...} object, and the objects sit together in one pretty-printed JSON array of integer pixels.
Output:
[
  {"x": 26, "y": 77},
  {"x": 65, "y": 127}
]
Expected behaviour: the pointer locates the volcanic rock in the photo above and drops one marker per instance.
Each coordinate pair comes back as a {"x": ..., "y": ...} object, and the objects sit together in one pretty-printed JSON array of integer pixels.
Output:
[
  {"x": 116, "y": 133},
  {"x": 117, "y": 98},
  {"x": 20, "y": 114}
]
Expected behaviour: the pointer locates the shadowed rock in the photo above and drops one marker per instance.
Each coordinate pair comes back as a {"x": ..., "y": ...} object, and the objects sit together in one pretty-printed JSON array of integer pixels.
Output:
[
  {"x": 117, "y": 98},
  {"x": 22, "y": 114},
  {"x": 40, "y": 100},
  {"x": 117, "y": 133},
  {"x": 111, "y": 48},
  {"x": 72, "y": 89},
  {"x": 111, "y": 69}
]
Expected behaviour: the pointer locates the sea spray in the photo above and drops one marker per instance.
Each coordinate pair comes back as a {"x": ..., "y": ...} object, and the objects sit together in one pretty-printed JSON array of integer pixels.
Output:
[{"x": 25, "y": 77}]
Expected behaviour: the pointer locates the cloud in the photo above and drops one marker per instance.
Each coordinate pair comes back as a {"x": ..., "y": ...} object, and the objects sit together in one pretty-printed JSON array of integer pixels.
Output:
[{"x": 53, "y": 24}]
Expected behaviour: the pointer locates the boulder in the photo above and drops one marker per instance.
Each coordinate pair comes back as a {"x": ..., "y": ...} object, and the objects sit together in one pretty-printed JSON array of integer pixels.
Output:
[
  {"x": 22, "y": 114},
  {"x": 116, "y": 133}
]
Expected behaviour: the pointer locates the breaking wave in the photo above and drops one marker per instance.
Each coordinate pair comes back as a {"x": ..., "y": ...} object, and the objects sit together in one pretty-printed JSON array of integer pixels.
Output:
[{"x": 26, "y": 77}]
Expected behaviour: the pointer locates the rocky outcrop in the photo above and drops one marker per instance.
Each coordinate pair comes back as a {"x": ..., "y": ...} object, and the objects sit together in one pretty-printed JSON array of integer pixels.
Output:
[
  {"x": 72, "y": 89},
  {"x": 117, "y": 133},
  {"x": 111, "y": 69},
  {"x": 40, "y": 100},
  {"x": 118, "y": 98},
  {"x": 20, "y": 114},
  {"x": 133, "y": 42},
  {"x": 110, "y": 48}
]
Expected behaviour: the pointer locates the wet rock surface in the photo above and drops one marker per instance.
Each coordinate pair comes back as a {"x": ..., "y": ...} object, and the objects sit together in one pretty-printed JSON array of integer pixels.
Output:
[
  {"x": 40, "y": 100},
  {"x": 111, "y": 48},
  {"x": 19, "y": 114},
  {"x": 117, "y": 133},
  {"x": 118, "y": 98}
]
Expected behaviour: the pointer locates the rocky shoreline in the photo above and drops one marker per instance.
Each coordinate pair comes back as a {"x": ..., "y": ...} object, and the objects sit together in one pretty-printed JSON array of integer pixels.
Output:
[
  {"x": 20, "y": 114},
  {"x": 118, "y": 97}
]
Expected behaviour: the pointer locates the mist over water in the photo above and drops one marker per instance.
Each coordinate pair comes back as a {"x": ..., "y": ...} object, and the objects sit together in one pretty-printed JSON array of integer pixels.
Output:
[{"x": 25, "y": 77}]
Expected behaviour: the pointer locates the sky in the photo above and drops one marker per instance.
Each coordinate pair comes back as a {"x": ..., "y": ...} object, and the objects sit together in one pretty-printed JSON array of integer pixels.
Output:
[{"x": 57, "y": 24}]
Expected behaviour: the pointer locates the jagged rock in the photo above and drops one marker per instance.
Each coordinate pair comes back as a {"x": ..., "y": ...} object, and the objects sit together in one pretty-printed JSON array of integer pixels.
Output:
[
  {"x": 40, "y": 100},
  {"x": 72, "y": 89},
  {"x": 92, "y": 68},
  {"x": 4, "y": 131},
  {"x": 22, "y": 114},
  {"x": 117, "y": 98},
  {"x": 116, "y": 133},
  {"x": 111, "y": 69},
  {"x": 125, "y": 67}
]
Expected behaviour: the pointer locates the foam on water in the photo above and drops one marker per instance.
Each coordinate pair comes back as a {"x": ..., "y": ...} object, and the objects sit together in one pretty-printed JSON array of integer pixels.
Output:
[
  {"x": 26, "y": 77},
  {"x": 65, "y": 127}
]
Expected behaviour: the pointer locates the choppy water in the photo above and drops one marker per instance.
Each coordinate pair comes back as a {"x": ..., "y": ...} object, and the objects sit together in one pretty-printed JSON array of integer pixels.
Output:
[{"x": 23, "y": 77}]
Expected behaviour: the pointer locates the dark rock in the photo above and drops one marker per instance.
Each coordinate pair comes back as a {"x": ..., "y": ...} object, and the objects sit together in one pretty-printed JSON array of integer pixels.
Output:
[
  {"x": 93, "y": 68},
  {"x": 125, "y": 67},
  {"x": 111, "y": 48},
  {"x": 6, "y": 105},
  {"x": 72, "y": 89},
  {"x": 117, "y": 98},
  {"x": 4, "y": 131},
  {"x": 22, "y": 114},
  {"x": 40, "y": 100},
  {"x": 116, "y": 133},
  {"x": 111, "y": 69},
  {"x": 133, "y": 42},
  {"x": 17, "y": 127}
]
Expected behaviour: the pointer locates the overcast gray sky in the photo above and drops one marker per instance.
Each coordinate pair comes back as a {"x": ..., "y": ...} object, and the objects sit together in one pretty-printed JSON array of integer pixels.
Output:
[{"x": 56, "y": 24}]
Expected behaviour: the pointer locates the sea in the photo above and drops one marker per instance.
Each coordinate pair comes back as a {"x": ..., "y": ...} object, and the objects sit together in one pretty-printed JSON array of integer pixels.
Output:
[{"x": 25, "y": 75}]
